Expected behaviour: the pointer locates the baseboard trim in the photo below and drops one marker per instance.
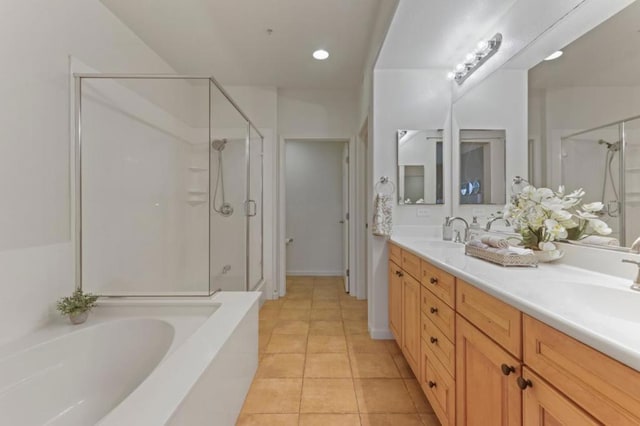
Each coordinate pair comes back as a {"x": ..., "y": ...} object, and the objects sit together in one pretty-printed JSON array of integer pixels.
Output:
[
  {"x": 315, "y": 273},
  {"x": 380, "y": 333}
]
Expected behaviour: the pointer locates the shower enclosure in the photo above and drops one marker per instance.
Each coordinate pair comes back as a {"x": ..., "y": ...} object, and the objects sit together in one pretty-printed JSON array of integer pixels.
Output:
[
  {"x": 168, "y": 187},
  {"x": 605, "y": 162}
]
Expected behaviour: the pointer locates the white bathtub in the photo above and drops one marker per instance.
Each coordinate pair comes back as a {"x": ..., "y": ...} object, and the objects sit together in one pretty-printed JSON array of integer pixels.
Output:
[{"x": 142, "y": 362}]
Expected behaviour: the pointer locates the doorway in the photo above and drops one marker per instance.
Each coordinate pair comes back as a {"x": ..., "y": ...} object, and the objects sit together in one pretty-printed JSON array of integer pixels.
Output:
[{"x": 316, "y": 203}]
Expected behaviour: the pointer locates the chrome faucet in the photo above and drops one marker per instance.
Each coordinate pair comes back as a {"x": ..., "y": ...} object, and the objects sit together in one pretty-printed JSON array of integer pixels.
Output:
[
  {"x": 635, "y": 247},
  {"x": 636, "y": 283},
  {"x": 466, "y": 226},
  {"x": 490, "y": 222}
]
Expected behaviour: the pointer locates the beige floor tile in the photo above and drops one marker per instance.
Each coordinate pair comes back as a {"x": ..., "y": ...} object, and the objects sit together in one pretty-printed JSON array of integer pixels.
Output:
[
  {"x": 393, "y": 347},
  {"x": 325, "y": 304},
  {"x": 418, "y": 397},
  {"x": 291, "y": 327},
  {"x": 383, "y": 396},
  {"x": 364, "y": 343},
  {"x": 273, "y": 396},
  {"x": 354, "y": 314},
  {"x": 297, "y": 304},
  {"x": 403, "y": 367},
  {"x": 287, "y": 343},
  {"x": 356, "y": 327},
  {"x": 326, "y": 344},
  {"x": 267, "y": 326},
  {"x": 373, "y": 365},
  {"x": 326, "y": 328},
  {"x": 327, "y": 298},
  {"x": 277, "y": 366},
  {"x": 329, "y": 420},
  {"x": 328, "y": 396},
  {"x": 390, "y": 420},
  {"x": 267, "y": 420},
  {"x": 327, "y": 365},
  {"x": 294, "y": 314},
  {"x": 269, "y": 314},
  {"x": 429, "y": 420},
  {"x": 325, "y": 314}
]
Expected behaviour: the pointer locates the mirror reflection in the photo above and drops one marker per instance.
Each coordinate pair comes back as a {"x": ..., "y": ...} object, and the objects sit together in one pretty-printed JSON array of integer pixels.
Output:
[
  {"x": 482, "y": 167},
  {"x": 420, "y": 173},
  {"x": 584, "y": 108}
]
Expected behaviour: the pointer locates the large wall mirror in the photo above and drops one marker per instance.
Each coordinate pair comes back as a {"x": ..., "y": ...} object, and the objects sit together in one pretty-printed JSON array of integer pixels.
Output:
[
  {"x": 482, "y": 167},
  {"x": 584, "y": 121},
  {"x": 420, "y": 167}
]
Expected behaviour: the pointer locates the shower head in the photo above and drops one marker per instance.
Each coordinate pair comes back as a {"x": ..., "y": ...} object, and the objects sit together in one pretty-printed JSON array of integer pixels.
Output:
[
  {"x": 218, "y": 144},
  {"x": 611, "y": 146}
]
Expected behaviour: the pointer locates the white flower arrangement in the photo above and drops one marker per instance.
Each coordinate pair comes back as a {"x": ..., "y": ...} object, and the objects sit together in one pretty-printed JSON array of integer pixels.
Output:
[{"x": 542, "y": 216}]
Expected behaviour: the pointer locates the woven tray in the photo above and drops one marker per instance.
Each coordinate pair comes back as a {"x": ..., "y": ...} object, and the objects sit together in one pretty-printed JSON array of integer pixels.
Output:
[{"x": 502, "y": 259}]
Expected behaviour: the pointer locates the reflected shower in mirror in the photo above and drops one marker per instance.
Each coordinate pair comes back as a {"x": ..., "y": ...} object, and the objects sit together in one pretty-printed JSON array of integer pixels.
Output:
[
  {"x": 584, "y": 119},
  {"x": 420, "y": 172},
  {"x": 482, "y": 167}
]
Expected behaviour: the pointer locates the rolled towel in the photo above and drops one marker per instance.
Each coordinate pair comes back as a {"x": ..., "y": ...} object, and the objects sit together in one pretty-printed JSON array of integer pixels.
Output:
[
  {"x": 597, "y": 240},
  {"x": 520, "y": 251},
  {"x": 494, "y": 241},
  {"x": 478, "y": 244}
]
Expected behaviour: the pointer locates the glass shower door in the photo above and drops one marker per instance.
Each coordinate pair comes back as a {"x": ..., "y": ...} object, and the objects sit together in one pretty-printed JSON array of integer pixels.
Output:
[{"x": 255, "y": 218}]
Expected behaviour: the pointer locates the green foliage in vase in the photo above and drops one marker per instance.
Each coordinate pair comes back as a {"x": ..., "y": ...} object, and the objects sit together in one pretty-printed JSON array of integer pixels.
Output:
[{"x": 77, "y": 303}]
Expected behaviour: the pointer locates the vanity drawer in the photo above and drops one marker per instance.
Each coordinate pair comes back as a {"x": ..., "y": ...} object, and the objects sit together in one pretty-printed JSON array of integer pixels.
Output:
[
  {"x": 439, "y": 283},
  {"x": 411, "y": 264},
  {"x": 607, "y": 389},
  {"x": 501, "y": 322},
  {"x": 439, "y": 344},
  {"x": 438, "y": 386},
  {"x": 438, "y": 312},
  {"x": 395, "y": 253}
]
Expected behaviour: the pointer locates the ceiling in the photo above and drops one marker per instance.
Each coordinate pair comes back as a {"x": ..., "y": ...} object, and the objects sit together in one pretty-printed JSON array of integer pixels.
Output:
[
  {"x": 229, "y": 38},
  {"x": 608, "y": 55},
  {"x": 442, "y": 32}
]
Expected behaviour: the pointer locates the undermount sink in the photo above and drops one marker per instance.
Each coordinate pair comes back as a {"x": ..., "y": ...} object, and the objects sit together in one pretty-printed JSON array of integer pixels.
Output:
[{"x": 593, "y": 299}]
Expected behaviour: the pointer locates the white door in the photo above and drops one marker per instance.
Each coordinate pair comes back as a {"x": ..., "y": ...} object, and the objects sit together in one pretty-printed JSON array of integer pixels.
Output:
[{"x": 345, "y": 216}]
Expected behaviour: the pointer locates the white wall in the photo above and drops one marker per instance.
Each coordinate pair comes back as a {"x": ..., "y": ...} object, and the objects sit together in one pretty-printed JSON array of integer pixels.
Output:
[
  {"x": 314, "y": 207},
  {"x": 402, "y": 99},
  {"x": 40, "y": 35}
]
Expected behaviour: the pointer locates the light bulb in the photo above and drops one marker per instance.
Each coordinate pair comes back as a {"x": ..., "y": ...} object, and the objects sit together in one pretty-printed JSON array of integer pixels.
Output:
[
  {"x": 460, "y": 67},
  {"x": 451, "y": 75},
  {"x": 470, "y": 58},
  {"x": 482, "y": 46}
]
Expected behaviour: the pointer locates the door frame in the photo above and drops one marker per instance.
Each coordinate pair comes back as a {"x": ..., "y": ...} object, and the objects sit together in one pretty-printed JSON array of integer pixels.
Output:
[{"x": 281, "y": 255}]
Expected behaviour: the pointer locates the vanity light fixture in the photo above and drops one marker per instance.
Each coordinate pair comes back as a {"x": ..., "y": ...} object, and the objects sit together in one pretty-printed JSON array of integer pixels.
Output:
[
  {"x": 484, "y": 50},
  {"x": 554, "y": 55},
  {"x": 321, "y": 54}
]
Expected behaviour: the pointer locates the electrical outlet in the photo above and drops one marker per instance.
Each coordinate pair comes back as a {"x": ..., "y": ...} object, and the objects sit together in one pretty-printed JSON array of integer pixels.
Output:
[{"x": 422, "y": 212}]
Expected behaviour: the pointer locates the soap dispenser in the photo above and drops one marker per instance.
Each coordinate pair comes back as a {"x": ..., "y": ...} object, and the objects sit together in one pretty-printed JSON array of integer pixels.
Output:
[{"x": 447, "y": 230}]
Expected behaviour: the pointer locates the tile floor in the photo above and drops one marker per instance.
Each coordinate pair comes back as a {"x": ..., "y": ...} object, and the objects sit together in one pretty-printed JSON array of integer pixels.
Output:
[{"x": 318, "y": 365}]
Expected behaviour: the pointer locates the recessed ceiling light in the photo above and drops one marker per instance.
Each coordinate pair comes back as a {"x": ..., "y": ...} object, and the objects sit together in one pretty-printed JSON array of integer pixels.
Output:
[
  {"x": 554, "y": 55},
  {"x": 321, "y": 54}
]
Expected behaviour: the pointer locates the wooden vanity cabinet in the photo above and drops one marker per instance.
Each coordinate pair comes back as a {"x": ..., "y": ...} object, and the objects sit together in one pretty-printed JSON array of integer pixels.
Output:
[
  {"x": 487, "y": 391},
  {"x": 411, "y": 322},
  {"x": 395, "y": 301}
]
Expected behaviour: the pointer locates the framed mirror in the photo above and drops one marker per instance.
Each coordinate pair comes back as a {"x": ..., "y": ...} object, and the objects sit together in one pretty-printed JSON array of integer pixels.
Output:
[
  {"x": 584, "y": 119},
  {"x": 420, "y": 167},
  {"x": 482, "y": 167}
]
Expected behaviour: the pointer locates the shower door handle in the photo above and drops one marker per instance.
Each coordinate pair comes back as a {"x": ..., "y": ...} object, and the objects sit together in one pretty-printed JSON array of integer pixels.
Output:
[{"x": 251, "y": 212}]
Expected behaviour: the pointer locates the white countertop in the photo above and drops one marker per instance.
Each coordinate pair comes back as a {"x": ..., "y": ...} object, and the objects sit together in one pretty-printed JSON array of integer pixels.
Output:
[{"x": 597, "y": 309}]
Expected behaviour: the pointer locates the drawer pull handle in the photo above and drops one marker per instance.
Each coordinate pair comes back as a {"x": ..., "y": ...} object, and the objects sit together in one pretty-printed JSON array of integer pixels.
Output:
[
  {"x": 433, "y": 310},
  {"x": 507, "y": 369},
  {"x": 433, "y": 340},
  {"x": 433, "y": 280},
  {"x": 400, "y": 274},
  {"x": 524, "y": 383},
  {"x": 432, "y": 384},
  {"x": 397, "y": 273}
]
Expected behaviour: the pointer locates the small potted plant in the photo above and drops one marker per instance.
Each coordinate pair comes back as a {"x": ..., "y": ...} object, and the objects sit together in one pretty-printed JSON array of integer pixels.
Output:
[{"x": 77, "y": 306}]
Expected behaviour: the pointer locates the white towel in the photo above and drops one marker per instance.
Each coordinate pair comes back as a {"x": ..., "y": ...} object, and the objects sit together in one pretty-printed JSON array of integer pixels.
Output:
[
  {"x": 496, "y": 242},
  {"x": 597, "y": 240},
  {"x": 382, "y": 215}
]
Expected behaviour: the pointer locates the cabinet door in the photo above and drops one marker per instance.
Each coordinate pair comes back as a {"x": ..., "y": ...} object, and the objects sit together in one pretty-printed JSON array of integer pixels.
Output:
[
  {"x": 411, "y": 322},
  {"x": 545, "y": 406},
  {"x": 395, "y": 301},
  {"x": 487, "y": 391}
]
